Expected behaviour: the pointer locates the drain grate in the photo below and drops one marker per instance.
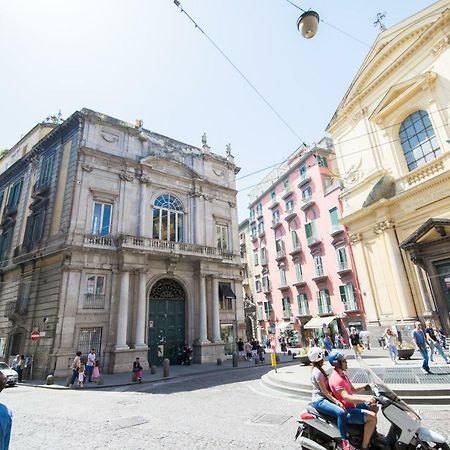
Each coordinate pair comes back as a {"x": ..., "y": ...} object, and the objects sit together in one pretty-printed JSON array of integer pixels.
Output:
[
  {"x": 271, "y": 419},
  {"x": 403, "y": 375},
  {"x": 128, "y": 422}
]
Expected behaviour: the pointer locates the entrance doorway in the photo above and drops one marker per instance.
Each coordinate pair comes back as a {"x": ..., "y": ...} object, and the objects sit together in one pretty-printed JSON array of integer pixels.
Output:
[{"x": 166, "y": 337}]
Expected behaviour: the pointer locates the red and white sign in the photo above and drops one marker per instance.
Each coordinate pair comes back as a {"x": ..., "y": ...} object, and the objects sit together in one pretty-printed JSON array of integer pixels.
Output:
[{"x": 35, "y": 336}]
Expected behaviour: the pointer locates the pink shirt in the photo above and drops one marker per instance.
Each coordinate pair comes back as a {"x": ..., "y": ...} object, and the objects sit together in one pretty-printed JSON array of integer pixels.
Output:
[{"x": 337, "y": 384}]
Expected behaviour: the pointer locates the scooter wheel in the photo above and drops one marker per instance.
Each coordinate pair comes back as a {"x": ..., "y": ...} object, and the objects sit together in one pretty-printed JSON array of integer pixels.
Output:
[{"x": 442, "y": 447}]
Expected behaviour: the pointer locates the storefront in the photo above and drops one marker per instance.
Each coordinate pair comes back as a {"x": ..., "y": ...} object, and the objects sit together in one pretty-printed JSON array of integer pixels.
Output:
[
  {"x": 228, "y": 337},
  {"x": 319, "y": 327}
]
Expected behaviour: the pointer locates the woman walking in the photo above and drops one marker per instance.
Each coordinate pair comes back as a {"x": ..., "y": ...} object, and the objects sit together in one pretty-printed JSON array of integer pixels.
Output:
[
  {"x": 138, "y": 371},
  {"x": 392, "y": 344}
]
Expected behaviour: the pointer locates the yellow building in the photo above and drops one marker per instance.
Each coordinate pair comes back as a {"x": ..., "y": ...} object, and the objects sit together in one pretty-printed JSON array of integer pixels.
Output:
[{"x": 392, "y": 140}]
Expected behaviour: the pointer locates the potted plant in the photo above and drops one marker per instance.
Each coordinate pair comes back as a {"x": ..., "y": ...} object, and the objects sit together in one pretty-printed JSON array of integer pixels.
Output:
[
  {"x": 303, "y": 356},
  {"x": 405, "y": 350}
]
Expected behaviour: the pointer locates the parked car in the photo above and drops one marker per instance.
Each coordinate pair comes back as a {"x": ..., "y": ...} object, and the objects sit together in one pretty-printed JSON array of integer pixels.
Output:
[{"x": 11, "y": 375}]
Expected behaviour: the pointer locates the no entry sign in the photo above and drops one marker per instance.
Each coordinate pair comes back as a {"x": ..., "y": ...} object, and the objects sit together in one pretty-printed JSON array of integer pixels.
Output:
[{"x": 35, "y": 336}]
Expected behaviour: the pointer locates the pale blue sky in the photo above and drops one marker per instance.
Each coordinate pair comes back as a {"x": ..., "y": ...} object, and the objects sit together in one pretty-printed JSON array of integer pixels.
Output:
[{"x": 144, "y": 59}]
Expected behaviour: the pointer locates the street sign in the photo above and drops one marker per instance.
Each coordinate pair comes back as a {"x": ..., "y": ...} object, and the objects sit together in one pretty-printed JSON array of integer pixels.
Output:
[{"x": 35, "y": 336}]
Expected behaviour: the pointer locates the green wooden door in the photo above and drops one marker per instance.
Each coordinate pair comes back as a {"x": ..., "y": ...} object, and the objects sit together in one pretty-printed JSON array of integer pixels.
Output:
[{"x": 166, "y": 335}]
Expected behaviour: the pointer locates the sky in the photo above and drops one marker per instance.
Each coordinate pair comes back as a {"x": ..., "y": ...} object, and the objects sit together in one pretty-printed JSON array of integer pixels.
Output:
[{"x": 144, "y": 59}]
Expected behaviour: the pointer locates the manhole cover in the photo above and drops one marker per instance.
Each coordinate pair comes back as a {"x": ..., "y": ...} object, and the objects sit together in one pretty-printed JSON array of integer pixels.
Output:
[
  {"x": 271, "y": 419},
  {"x": 128, "y": 422}
]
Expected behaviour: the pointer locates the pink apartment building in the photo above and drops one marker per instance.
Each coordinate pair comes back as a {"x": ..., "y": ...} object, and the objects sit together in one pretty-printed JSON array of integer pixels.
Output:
[{"x": 305, "y": 279}]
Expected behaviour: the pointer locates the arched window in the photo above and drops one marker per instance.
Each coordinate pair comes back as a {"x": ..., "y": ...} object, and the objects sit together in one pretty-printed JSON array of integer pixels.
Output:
[
  {"x": 168, "y": 218},
  {"x": 418, "y": 140}
]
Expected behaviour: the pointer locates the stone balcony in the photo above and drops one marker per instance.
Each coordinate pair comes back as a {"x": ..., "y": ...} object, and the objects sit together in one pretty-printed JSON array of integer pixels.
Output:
[
  {"x": 304, "y": 180},
  {"x": 290, "y": 214}
]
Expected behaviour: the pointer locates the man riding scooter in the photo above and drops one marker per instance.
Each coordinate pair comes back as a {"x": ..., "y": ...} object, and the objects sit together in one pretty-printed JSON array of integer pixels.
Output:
[{"x": 361, "y": 409}]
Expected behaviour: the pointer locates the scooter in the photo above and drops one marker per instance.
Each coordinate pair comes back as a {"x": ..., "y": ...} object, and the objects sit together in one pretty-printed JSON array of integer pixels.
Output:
[{"x": 317, "y": 431}]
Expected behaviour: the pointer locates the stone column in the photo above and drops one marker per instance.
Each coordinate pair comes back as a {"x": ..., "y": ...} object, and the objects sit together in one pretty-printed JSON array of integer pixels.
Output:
[
  {"x": 122, "y": 318},
  {"x": 202, "y": 319},
  {"x": 423, "y": 290},
  {"x": 215, "y": 317},
  {"x": 141, "y": 316},
  {"x": 398, "y": 269},
  {"x": 142, "y": 205}
]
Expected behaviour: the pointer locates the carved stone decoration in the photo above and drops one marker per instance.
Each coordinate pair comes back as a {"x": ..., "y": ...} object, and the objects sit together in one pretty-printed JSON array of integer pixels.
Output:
[
  {"x": 167, "y": 288},
  {"x": 358, "y": 115},
  {"x": 354, "y": 173},
  {"x": 354, "y": 238},
  {"x": 171, "y": 265},
  {"x": 384, "y": 188},
  {"x": 109, "y": 137},
  {"x": 126, "y": 176},
  {"x": 383, "y": 225},
  {"x": 87, "y": 167},
  {"x": 219, "y": 173},
  {"x": 441, "y": 45}
]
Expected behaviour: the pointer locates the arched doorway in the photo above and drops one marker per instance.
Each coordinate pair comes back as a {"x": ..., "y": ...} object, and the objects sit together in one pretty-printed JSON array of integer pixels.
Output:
[{"x": 166, "y": 321}]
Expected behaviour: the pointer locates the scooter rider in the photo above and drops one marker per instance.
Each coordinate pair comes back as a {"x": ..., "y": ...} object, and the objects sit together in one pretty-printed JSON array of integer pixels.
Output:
[
  {"x": 360, "y": 408},
  {"x": 322, "y": 399}
]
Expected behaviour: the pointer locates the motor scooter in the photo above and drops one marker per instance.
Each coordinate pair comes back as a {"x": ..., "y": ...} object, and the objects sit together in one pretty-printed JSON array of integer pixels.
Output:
[{"x": 317, "y": 431}]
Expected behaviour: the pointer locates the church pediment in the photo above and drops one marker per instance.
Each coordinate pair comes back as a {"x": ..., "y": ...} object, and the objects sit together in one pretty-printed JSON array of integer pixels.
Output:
[
  {"x": 170, "y": 166},
  {"x": 431, "y": 231}
]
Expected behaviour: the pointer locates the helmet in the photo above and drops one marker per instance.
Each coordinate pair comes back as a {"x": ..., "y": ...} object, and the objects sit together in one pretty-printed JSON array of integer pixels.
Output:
[
  {"x": 336, "y": 358},
  {"x": 315, "y": 354}
]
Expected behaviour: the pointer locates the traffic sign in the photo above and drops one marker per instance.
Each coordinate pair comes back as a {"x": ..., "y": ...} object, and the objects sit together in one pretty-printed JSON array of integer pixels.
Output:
[{"x": 35, "y": 336}]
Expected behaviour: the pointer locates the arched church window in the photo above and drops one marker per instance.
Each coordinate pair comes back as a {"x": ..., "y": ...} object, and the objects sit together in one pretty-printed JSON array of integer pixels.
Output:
[
  {"x": 168, "y": 218},
  {"x": 418, "y": 140}
]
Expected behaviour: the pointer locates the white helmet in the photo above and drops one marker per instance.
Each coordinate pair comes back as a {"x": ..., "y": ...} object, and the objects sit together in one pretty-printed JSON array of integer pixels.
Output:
[{"x": 316, "y": 354}]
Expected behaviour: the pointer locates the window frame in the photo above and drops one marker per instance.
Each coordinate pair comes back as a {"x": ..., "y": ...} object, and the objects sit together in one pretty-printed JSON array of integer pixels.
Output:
[{"x": 102, "y": 216}]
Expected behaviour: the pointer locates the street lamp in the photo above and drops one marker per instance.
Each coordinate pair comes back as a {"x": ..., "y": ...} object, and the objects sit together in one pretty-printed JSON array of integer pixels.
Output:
[{"x": 308, "y": 23}]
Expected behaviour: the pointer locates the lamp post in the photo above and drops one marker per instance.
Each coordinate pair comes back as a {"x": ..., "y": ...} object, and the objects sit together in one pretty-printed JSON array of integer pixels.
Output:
[{"x": 308, "y": 23}]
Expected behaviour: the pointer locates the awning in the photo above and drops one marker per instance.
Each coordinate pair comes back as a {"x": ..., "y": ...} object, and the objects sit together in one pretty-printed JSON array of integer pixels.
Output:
[
  {"x": 283, "y": 325},
  {"x": 226, "y": 291},
  {"x": 319, "y": 322}
]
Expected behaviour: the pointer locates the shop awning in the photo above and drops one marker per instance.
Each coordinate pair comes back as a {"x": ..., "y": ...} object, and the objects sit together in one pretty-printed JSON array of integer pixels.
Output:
[
  {"x": 226, "y": 291},
  {"x": 319, "y": 322},
  {"x": 283, "y": 325}
]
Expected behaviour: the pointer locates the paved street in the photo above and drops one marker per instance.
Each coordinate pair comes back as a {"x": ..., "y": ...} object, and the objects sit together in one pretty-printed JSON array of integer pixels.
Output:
[{"x": 225, "y": 410}]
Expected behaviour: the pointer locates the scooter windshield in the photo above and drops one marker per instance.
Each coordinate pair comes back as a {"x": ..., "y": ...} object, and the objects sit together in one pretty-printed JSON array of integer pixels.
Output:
[{"x": 376, "y": 383}]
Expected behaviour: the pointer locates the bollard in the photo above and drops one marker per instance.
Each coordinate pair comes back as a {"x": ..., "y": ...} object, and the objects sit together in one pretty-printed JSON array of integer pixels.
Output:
[
  {"x": 166, "y": 367},
  {"x": 219, "y": 361},
  {"x": 50, "y": 380},
  {"x": 153, "y": 370},
  {"x": 235, "y": 359}
]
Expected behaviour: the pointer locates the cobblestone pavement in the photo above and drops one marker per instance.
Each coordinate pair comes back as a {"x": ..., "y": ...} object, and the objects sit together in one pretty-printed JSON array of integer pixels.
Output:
[{"x": 211, "y": 411}]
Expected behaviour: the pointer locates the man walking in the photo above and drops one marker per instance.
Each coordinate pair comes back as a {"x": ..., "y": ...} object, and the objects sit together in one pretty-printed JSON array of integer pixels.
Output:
[
  {"x": 420, "y": 340},
  {"x": 75, "y": 368},
  {"x": 90, "y": 365},
  {"x": 355, "y": 342},
  {"x": 433, "y": 341}
]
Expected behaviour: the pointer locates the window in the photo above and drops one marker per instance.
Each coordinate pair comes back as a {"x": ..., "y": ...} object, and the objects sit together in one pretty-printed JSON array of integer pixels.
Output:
[
  {"x": 290, "y": 205},
  {"x": 267, "y": 309},
  {"x": 101, "y": 220},
  {"x": 279, "y": 247},
  {"x": 275, "y": 217},
  {"x": 273, "y": 196},
  {"x": 266, "y": 283},
  {"x": 46, "y": 170},
  {"x": 282, "y": 276},
  {"x": 252, "y": 215},
  {"x": 258, "y": 285},
  {"x": 334, "y": 217},
  {"x": 295, "y": 240},
  {"x": 321, "y": 161},
  {"x": 94, "y": 297},
  {"x": 418, "y": 140},
  {"x": 286, "y": 307},
  {"x": 254, "y": 233},
  {"x": 23, "y": 296},
  {"x": 5, "y": 242},
  {"x": 34, "y": 228},
  {"x": 310, "y": 230},
  {"x": 2, "y": 195},
  {"x": 298, "y": 272},
  {"x": 168, "y": 219},
  {"x": 226, "y": 296},
  {"x": 259, "y": 312},
  {"x": 88, "y": 339},
  {"x": 263, "y": 255},
  {"x": 259, "y": 209},
  {"x": 341, "y": 254},
  {"x": 303, "y": 172},
  {"x": 347, "y": 292},
  {"x": 307, "y": 194},
  {"x": 318, "y": 266},
  {"x": 14, "y": 194},
  {"x": 256, "y": 258},
  {"x": 261, "y": 228},
  {"x": 324, "y": 302},
  {"x": 302, "y": 303},
  {"x": 222, "y": 237},
  {"x": 287, "y": 186}
]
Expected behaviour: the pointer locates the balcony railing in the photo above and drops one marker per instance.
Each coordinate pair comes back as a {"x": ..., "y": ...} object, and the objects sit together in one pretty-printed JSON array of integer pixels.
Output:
[
  {"x": 100, "y": 241},
  {"x": 325, "y": 309},
  {"x": 296, "y": 249},
  {"x": 290, "y": 214},
  {"x": 287, "y": 192},
  {"x": 245, "y": 281},
  {"x": 275, "y": 223},
  {"x": 287, "y": 313},
  {"x": 40, "y": 188},
  {"x": 266, "y": 288},
  {"x": 306, "y": 203},
  {"x": 281, "y": 254},
  {"x": 94, "y": 301},
  {"x": 303, "y": 310},
  {"x": 350, "y": 306},
  {"x": 274, "y": 204},
  {"x": 336, "y": 228},
  {"x": 304, "y": 178},
  {"x": 264, "y": 261},
  {"x": 343, "y": 266},
  {"x": 313, "y": 240},
  {"x": 261, "y": 233}
]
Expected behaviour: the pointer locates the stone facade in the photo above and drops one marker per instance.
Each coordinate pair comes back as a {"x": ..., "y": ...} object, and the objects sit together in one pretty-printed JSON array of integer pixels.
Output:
[
  {"x": 391, "y": 138},
  {"x": 136, "y": 252}
]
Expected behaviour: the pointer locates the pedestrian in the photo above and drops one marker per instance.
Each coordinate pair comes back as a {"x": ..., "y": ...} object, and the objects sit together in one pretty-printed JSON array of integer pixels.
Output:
[
  {"x": 368, "y": 340},
  {"x": 20, "y": 368},
  {"x": 76, "y": 363},
  {"x": 254, "y": 349},
  {"x": 355, "y": 342},
  {"x": 240, "y": 345},
  {"x": 336, "y": 340},
  {"x": 96, "y": 372},
  {"x": 90, "y": 365},
  {"x": 248, "y": 350},
  {"x": 283, "y": 346},
  {"x": 261, "y": 352},
  {"x": 433, "y": 341},
  {"x": 5, "y": 418},
  {"x": 81, "y": 376},
  {"x": 15, "y": 362},
  {"x": 420, "y": 340},
  {"x": 392, "y": 344},
  {"x": 442, "y": 338},
  {"x": 322, "y": 399},
  {"x": 138, "y": 371},
  {"x": 328, "y": 343}
]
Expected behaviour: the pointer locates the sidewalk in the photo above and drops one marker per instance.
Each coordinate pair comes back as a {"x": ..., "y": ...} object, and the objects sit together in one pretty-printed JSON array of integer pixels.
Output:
[{"x": 176, "y": 371}]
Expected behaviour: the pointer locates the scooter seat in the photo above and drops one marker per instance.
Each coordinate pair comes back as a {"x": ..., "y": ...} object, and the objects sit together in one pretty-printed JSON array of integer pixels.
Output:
[{"x": 314, "y": 411}]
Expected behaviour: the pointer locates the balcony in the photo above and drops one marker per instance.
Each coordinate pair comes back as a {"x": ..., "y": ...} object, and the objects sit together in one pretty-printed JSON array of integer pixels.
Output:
[
  {"x": 325, "y": 310},
  {"x": 290, "y": 214},
  {"x": 264, "y": 261},
  {"x": 276, "y": 224},
  {"x": 288, "y": 191},
  {"x": 307, "y": 203},
  {"x": 284, "y": 286},
  {"x": 281, "y": 254},
  {"x": 303, "y": 312},
  {"x": 299, "y": 282},
  {"x": 297, "y": 249},
  {"x": 336, "y": 229},
  {"x": 245, "y": 281},
  {"x": 343, "y": 267},
  {"x": 40, "y": 189},
  {"x": 274, "y": 204},
  {"x": 266, "y": 289},
  {"x": 320, "y": 275},
  {"x": 304, "y": 179},
  {"x": 254, "y": 237},
  {"x": 94, "y": 301},
  {"x": 10, "y": 310},
  {"x": 313, "y": 240},
  {"x": 261, "y": 233},
  {"x": 259, "y": 215},
  {"x": 287, "y": 313},
  {"x": 350, "y": 306}
]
